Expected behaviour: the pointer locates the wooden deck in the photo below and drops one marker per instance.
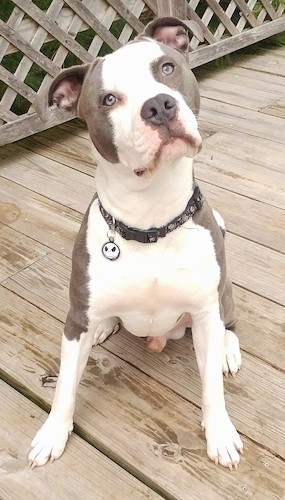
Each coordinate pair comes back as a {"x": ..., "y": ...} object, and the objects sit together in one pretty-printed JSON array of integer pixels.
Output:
[{"x": 137, "y": 418}]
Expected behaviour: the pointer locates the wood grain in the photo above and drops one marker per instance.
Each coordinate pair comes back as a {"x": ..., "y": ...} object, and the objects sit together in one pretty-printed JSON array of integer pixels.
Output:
[
  {"x": 147, "y": 427},
  {"x": 81, "y": 473}
]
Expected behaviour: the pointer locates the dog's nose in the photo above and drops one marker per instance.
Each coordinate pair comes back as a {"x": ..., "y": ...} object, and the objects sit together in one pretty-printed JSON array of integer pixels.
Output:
[{"x": 159, "y": 110}]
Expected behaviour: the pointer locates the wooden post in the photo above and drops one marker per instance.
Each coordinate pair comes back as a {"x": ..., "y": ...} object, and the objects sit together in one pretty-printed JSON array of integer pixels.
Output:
[{"x": 175, "y": 8}]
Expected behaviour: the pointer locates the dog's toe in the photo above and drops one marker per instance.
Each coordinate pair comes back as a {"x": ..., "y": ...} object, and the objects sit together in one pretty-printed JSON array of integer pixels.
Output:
[
  {"x": 232, "y": 355},
  {"x": 224, "y": 444},
  {"x": 49, "y": 442},
  {"x": 104, "y": 329}
]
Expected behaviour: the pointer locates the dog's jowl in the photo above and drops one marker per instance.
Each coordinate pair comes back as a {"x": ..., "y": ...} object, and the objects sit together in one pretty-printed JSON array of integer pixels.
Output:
[{"x": 150, "y": 252}]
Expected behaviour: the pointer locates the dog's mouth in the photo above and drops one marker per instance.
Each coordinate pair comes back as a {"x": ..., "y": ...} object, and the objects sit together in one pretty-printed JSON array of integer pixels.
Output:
[{"x": 174, "y": 145}]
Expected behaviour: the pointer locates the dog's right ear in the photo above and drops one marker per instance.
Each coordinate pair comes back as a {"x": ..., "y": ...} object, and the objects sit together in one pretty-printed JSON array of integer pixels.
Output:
[{"x": 63, "y": 92}]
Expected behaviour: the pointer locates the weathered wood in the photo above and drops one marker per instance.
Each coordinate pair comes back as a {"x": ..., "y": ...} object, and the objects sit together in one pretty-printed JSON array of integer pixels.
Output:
[
  {"x": 176, "y": 8},
  {"x": 126, "y": 14},
  {"x": 147, "y": 427},
  {"x": 229, "y": 116},
  {"x": 245, "y": 164},
  {"x": 268, "y": 7},
  {"x": 275, "y": 109},
  {"x": 52, "y": 28},
  {"x": 247, "y": 14},
  {"x": 46, "y": 177},
  {"x": 217, "y": 9},
  {"x": 31, "y": 125},
  {"x": 93, "y": 22},
  {"x": 17, "y": 252},
  {"x": 20, "y": 87},
  {"x": 236, "y": 94},
  {"x": 26, "y": 63},
  {"x": 16, "y": 39},
  {"x": 236, "y": 42},
  {"x": 30, "y": 214},
  {"x": 82, "y": 473},
  {"x": 69, "y": 149},
  {"x": 6, "y": 115}
]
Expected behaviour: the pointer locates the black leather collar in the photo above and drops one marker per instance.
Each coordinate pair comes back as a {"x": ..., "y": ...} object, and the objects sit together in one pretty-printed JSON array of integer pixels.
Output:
[{"x": 151, "y": 235}]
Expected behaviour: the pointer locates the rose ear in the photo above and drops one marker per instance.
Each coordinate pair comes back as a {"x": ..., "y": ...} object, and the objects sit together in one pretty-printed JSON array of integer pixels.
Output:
[
  {"x": 63, "y": 92},
  {"x": 173, "y": 32}
]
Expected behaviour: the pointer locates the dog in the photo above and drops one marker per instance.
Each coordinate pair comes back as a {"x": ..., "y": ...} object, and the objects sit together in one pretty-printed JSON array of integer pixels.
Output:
[{"x": 150, "y": 252}]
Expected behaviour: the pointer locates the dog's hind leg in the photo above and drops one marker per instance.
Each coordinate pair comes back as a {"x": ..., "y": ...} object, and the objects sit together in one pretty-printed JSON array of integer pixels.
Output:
[
  {"x": 50, "y": 441},
  {"x": 232, "y": 355},
  {"x": 106, "y": 328}
]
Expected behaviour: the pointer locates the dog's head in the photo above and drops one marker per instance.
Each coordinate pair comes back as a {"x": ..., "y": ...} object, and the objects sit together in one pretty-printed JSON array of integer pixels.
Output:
[{"x": 140, "y": 103}]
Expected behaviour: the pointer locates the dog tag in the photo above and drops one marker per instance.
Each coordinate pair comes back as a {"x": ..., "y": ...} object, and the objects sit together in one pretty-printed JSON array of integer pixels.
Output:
[{"x": 110, "y": 250}]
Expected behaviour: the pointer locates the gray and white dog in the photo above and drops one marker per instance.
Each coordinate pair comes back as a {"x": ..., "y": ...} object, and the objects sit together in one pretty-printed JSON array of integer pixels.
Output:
[{"x": 149, "y": 254}]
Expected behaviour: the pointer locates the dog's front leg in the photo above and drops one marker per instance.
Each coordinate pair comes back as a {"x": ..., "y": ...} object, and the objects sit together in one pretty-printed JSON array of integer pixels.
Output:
[
  {"x": 223, "y": 441},
  {"x": 50, "y": 441}
]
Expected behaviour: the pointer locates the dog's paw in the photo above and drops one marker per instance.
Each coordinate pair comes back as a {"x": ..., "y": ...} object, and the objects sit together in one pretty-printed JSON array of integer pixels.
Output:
[
  {"x": 224, "y": 444},
  {"x": 49, "y": 442},
  {"x": 232, "y": 355},
  {"x": 104, "y": 329}
]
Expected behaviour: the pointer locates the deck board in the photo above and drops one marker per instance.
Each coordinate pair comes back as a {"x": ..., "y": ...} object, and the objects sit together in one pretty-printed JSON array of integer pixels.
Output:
[
  {"x": 143, "y": 410},
  {"x": 130, "y": 415},
  {"x": 86, "y": 471}
]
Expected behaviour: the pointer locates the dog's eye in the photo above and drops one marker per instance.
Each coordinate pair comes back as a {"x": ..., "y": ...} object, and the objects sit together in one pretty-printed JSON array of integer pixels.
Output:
[
  {"x": 109, "y": 100},
  {"x": 167, "y": 68}
]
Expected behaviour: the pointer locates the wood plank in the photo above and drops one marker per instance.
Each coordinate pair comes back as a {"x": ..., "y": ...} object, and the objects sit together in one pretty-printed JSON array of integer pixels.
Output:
[
  {"x": 244, "y": 164},
  {"x": 228, "y": 45},
  {"x": 236, "y": 94},
  {"x": 249, "y": 78},
  {"x": 47, "y": 177},
  {"x": 256, "y": 268},
  {"x": 275, "y": 109},
  {"x": 6, "y": 115},
  {"x": 154, "y": 432},
  {"x": 126, "y": 14},
  {"x": 80, "y": 473},
  {"x": 51, "y": 224},
  {"x": 257, "y": 315},
  {"x": 69, "y": 149},
  {"x": 250, "y": 219},
  {"x": 228, "y": 116},
  {"x": 31, "y": 124},
  {"x": 17, "y": 252},
  {"x": 268, "y": 62}
]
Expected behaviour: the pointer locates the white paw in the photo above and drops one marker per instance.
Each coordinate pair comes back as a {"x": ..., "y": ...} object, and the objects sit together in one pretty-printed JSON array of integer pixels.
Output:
[
  {"x": 49, "y": 442},
  {"x": 105, "y": 328},
  {"x": 223, "y": 442},
  {"x": 232, "y": 355}
]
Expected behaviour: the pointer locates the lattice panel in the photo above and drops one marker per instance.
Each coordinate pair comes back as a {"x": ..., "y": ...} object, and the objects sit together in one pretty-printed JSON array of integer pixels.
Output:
[{"x": 39, "y": 37}]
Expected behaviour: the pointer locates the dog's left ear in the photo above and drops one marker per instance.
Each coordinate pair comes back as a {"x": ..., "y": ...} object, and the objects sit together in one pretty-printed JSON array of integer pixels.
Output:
[{"x": 173, "y": 32}]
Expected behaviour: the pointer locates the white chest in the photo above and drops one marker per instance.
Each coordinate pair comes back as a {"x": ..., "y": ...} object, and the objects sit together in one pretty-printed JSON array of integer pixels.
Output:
[{"x": 151, "y": 285}]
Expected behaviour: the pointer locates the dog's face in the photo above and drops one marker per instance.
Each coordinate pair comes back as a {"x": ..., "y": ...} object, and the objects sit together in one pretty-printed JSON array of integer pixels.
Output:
[{"x": 140, "y": 103}]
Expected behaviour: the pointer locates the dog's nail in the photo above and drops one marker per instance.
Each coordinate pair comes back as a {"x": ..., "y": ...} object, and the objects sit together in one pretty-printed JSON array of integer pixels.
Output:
[
  {"x": 241, "y": 451},
  {"x": 34, "y": 464},
  {"x": 235, "y": 465},
  {"x": 216, "y": 461},
  {"x": 52, "y": 459},
  {"x": 230, "y": 466}
]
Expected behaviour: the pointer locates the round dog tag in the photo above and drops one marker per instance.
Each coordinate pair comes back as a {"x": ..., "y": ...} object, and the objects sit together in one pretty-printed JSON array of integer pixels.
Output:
[{"x": 110, "y": 250}]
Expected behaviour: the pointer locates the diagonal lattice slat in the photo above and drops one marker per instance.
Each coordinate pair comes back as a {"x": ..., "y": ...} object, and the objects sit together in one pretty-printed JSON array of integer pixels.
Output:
[{"x": 36, "y": 43}]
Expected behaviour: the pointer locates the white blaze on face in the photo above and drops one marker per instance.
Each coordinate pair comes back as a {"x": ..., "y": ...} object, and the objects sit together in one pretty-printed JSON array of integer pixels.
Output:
[{"x": 127, "y": 74}]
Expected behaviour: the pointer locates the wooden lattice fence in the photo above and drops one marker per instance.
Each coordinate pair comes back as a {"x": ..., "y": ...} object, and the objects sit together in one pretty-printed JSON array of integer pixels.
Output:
[{"x": 39, "y": 37}]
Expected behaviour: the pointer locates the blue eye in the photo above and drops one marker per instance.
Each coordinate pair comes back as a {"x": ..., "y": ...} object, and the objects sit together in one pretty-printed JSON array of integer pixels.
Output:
[
  {"x": 109, "y": 100},
  {"x": 167, "y": 68}
]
